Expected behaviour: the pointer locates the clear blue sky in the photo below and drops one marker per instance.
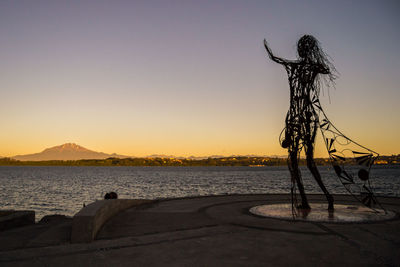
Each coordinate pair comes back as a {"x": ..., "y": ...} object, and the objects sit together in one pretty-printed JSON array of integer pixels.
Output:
[{"x": 188, "y": 77}]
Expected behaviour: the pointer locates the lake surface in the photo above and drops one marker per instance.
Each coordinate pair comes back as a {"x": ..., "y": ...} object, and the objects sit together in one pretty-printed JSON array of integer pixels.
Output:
[{"x": 64, "y": 190}]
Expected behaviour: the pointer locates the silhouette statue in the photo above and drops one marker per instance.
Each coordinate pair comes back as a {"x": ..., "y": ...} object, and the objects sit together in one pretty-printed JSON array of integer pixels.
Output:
[{"x": 306, "y": 76}]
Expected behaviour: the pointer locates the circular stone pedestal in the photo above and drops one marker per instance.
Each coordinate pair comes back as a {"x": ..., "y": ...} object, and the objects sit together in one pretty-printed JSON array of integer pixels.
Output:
[{"x": 319, "y": 213}]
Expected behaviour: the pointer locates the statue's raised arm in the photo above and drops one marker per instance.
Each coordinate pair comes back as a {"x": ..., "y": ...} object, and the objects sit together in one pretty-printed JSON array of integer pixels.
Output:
[{"x": 274, "y": 58}]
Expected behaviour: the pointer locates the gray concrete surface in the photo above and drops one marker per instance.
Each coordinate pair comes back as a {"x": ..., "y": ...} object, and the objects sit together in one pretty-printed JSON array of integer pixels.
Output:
[
  {"x": 15, "y": 218},
  {"x": 90, "y": 219},
  {"x": 209, "y": 231}
]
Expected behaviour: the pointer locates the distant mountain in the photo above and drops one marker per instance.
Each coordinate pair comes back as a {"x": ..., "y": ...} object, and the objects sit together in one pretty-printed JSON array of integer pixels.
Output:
[
  {"x": 68, "y": 151},
  {"x": 159, "y": 156}
]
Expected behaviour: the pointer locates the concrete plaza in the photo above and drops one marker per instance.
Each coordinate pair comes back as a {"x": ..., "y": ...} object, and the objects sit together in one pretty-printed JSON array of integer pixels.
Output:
[{"x": 208, "y": 231}]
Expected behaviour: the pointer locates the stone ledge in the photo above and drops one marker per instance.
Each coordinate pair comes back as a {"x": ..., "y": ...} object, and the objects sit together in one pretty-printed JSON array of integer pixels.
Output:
[
  {"x": 14, "y": 218},
  {"x": 89, "y": 220}
]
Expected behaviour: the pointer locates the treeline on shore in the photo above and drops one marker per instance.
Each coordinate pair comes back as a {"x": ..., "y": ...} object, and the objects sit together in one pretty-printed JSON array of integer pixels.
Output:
[{"x": 225, "y": 161}]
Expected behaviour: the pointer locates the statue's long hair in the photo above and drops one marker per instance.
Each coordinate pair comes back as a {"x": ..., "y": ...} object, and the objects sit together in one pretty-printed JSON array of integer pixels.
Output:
[{"x": 310, "y": 49}]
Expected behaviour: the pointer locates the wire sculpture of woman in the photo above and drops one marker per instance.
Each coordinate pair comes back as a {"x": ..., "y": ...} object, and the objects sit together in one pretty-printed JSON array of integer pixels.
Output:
[{"x": 302, "y": 121}]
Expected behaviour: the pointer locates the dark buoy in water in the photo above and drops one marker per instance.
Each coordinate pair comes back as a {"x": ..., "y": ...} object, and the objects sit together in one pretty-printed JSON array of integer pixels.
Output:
[{"x": 111, "y": 195}]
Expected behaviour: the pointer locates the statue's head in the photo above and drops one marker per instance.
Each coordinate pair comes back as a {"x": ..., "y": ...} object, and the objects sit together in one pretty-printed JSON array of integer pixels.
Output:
[
  {"x": 307, "y": 47},
  {"x": 309, "y": 51}
]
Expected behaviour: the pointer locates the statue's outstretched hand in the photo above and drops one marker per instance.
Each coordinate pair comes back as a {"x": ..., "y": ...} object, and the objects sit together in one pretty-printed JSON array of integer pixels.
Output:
[
  {"x": 268, "y": 49},
  {"x": 266, "y": 45},
  {"x": 272, "y": 56}
]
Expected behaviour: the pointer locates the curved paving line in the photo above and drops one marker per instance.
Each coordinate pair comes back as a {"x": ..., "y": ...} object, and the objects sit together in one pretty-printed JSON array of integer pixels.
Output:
[
  {"x": 245, "y": 211},
  {"x": 108, "y": 248}
]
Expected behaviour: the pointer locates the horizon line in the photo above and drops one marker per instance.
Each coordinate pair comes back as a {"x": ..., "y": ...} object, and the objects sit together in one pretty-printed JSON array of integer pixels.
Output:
[{"x": 163, "y": 155}]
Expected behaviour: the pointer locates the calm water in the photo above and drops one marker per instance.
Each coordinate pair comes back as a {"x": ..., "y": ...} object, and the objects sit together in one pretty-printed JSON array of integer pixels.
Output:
[{"x": 63, "y": 190}]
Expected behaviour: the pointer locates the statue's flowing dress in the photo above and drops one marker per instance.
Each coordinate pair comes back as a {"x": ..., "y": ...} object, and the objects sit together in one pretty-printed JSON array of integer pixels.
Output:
[{"x": 351, "y": 161}]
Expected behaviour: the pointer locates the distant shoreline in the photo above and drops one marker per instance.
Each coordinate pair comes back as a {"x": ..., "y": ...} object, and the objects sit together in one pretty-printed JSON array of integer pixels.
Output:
[{"x": 158, "y": 161}]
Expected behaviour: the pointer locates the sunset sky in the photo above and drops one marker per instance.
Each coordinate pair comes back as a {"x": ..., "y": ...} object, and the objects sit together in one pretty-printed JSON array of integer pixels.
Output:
[{"x": 189, "y": 77}]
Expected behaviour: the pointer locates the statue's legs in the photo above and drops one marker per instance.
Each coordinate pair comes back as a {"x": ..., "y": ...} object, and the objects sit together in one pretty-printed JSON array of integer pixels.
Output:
[
  {"x": 296, "y": 175},
  {"x": 309, "y": 149}
]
